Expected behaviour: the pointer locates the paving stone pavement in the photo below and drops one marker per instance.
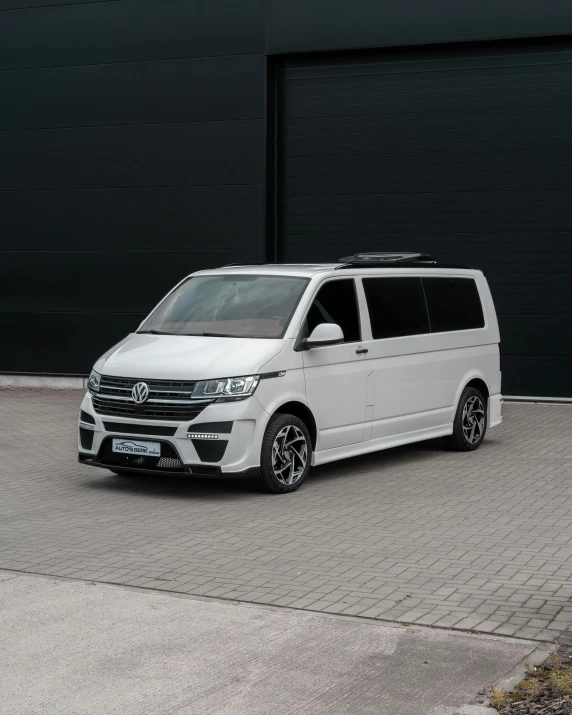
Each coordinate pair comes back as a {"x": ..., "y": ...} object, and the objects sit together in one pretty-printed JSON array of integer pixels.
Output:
[{"x": 479, "y": 541}]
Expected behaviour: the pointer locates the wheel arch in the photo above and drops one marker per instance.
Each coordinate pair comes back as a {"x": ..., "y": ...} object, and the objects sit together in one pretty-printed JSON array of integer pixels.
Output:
[
  {"x": 473, "y": 379},
  {"x": 480, "y": 385},
  {"x": 303, "y": 412}
]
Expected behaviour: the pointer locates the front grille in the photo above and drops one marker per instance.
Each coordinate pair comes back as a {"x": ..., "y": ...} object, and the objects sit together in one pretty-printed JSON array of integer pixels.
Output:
[
  {"x": 155, "y": 430},
  {"x": 168, "y": 461},
  {"x": 210, "y": 451},
  {"x": 213, "y": 427},
  {"x": 168, "y": 399},
  {"x": 165, "y": 389},
  {"x": 84, "y": 417},
  {"x": 85, "y": 438}
]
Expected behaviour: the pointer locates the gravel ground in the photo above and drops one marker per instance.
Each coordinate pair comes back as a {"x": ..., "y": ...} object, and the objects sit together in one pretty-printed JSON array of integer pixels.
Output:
[{"x": 546, "y": 690}]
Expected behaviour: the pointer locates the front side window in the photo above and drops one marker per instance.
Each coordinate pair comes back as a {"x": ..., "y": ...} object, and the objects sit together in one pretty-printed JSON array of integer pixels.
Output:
[
  {"x": 396, "y": 307},
  {"x": 336, "y": 302},
  {"x": 454, "y": 304},
  {"x": 236, "y": 306}
]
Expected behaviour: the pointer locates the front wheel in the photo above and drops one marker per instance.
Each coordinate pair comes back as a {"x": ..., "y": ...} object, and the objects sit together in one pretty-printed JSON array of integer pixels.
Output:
[
  {"x": 470, "y": 423},
  {"x": 285, "y": 456}
]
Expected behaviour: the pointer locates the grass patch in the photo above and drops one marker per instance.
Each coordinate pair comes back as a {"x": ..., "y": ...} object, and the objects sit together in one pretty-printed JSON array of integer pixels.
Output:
[{"x": 499, "y": 697}]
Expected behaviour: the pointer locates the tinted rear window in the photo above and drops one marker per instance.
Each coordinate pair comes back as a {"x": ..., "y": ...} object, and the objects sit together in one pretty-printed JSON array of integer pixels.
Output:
[
  {"x": 454, "y": 304},
  {"x": 396, "y": 307}
]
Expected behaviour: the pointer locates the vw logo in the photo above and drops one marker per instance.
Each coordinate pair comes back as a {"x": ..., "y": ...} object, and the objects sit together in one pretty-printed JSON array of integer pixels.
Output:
[{"x": 140, "y": 393}]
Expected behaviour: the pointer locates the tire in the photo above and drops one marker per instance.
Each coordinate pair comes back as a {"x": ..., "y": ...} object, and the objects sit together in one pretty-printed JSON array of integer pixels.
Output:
[
  {"x": 470, "y": 424},
  {"x": 283, "y": 470}
]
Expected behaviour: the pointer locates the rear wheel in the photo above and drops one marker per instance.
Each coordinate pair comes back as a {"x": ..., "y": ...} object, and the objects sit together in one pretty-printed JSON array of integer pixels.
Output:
[
  {"x": 470, "y": 425},
  {"x": 285, "y": 456}
]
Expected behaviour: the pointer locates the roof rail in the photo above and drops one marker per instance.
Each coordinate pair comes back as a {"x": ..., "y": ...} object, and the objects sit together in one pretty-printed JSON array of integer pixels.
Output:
[{"x": 235, "y": 265}]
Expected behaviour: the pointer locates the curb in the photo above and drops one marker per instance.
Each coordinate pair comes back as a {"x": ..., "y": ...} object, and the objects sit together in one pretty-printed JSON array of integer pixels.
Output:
[{"x": 44, "y": 382}]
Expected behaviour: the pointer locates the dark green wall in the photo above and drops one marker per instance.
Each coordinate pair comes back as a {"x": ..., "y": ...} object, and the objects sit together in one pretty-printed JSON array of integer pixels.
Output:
[
  {"x": 132, "y": 138},
  {"x": 133, "y": 144},
  {"x": 311, "y": 25}
]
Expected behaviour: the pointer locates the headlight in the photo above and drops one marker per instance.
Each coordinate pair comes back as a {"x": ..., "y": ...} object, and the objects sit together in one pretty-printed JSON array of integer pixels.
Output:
[
  {"x": 93, "y": 382},
  {"x": 227, "y": 389}
]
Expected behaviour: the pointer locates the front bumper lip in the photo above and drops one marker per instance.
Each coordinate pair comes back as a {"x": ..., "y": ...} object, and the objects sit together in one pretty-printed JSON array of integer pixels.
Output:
[{"x": 188, "y": 470}]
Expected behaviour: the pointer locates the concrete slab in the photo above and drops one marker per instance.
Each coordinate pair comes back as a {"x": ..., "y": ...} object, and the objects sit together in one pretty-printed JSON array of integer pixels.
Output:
[{"x": 80, "y": 648}]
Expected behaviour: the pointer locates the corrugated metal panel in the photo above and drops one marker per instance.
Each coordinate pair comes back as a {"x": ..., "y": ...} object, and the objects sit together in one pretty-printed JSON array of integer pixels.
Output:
[{"x": 465, "y": 154}]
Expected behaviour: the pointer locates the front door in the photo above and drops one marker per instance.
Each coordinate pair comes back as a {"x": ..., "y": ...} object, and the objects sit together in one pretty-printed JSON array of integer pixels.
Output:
[{"x": 336, "y": 375}]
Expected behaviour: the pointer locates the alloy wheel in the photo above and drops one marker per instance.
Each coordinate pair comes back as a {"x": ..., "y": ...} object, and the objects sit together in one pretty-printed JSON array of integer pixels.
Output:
[
  {"x": 473, "y": 419},
  {"x": 289, "y": 455}
]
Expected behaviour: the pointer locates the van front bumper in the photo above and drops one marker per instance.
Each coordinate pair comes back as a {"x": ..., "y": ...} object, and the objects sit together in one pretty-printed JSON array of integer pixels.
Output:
[{"x": 224, "y": 440}]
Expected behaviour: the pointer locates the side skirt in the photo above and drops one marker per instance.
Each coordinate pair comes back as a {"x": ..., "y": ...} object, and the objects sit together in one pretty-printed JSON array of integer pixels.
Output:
[{"x": 375, "y": 445}]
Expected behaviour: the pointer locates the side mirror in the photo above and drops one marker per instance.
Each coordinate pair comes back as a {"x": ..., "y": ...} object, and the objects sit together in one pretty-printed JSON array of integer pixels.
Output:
[{"x": 324, "y": 334}]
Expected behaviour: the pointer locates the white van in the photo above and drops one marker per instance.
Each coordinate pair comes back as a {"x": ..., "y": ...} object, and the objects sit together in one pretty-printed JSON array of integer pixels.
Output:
[{"x": 266, "y": 370}]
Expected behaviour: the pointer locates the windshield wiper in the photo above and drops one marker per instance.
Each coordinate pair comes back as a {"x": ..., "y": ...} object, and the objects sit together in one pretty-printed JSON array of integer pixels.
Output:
[
  {"x": 207, "y": 335},
  {"x": 153, "y": 332},
  {"x": 217, "y": 335}
]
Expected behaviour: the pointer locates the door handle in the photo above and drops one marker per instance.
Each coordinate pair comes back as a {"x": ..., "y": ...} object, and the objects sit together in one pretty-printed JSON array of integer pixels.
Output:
[{"x": 361, "y": 351}]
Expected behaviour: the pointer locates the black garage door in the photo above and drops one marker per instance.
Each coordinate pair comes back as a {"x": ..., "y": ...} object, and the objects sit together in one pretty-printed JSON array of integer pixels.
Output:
[{"x": 465, "y": 154}]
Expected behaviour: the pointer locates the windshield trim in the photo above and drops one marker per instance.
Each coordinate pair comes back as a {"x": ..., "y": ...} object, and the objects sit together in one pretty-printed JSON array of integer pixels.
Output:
[{"x": 305, "y": 280}]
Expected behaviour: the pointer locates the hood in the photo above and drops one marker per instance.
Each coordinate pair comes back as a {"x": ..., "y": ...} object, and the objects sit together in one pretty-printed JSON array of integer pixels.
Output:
[{"x": 188, "y": 357}]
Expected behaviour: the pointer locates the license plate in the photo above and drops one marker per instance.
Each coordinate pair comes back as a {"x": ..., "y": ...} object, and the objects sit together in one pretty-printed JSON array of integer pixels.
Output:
[{"x": 135, "y": 446}]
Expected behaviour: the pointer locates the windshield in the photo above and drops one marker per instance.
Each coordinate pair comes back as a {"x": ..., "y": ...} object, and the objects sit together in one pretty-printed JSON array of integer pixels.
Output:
[{"x": 239, "y": 306}]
